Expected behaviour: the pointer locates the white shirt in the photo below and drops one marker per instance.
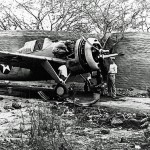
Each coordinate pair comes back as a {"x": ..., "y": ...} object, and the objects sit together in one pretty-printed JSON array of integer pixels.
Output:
[
  {"x": 63, "y": 70},
  {"x": 112, "y": 68}
]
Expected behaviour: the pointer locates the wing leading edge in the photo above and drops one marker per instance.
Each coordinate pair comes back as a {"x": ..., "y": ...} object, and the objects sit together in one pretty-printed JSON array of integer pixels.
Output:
[
  {"x": 26, "y": 60},
  {"x": 31, "y": 61}
]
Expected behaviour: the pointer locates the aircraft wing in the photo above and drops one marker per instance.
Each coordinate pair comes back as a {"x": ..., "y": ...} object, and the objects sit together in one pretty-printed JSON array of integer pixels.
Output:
[
  {"x": 26, "y": 60},
  {"x": 31, "y": 61}
]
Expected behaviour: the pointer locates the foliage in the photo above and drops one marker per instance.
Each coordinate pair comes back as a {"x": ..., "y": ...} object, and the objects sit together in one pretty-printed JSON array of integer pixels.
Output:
[
  {"x": 46, "y": 130},
  {"x": 59, "y": 127},
  {"x": 101, "y": 16}
]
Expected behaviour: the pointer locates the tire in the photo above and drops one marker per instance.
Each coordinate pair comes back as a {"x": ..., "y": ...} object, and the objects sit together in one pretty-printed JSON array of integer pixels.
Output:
[{"x": 61, "y": 90}]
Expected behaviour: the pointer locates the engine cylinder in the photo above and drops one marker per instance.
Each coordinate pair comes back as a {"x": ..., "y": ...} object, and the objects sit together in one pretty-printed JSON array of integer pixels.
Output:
[{"x": 86, "y": 56}]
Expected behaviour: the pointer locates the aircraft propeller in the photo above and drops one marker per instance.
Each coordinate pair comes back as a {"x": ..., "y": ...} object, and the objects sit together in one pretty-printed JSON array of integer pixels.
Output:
[{"x": 101, "y": 52}]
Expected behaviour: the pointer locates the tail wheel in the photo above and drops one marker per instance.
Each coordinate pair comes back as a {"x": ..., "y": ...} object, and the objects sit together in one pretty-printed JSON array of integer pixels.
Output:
[{"x": 61, "y": 90}]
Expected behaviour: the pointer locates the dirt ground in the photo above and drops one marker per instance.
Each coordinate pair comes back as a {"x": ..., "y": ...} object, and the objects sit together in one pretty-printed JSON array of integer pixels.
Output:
[{"x": 118, "y": 124}]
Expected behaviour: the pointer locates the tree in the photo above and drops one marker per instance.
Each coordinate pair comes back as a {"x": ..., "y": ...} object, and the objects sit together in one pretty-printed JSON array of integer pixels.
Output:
[
  {"x": 108, "y": 16},
  {"x": 101, "y": 16},
  {"x": 141, "y": 21},
  {"x": 54, "y": 15}
]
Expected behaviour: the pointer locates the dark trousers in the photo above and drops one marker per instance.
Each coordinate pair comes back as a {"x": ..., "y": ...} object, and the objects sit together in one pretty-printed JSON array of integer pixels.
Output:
[{"x": 111, "y": 85}]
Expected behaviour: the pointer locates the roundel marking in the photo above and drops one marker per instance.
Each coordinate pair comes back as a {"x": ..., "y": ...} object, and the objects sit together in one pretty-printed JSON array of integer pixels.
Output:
[{"x": 5, "y": 69}]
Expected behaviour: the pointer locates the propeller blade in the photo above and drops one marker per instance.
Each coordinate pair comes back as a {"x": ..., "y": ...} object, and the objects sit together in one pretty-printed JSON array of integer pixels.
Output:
[
  {"x": 110, "y": 55},
  {"x": 90, "y": 43}
]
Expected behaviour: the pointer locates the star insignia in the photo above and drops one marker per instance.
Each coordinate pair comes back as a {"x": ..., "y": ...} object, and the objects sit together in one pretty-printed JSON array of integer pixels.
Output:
[{"x": 6, "y": 68}]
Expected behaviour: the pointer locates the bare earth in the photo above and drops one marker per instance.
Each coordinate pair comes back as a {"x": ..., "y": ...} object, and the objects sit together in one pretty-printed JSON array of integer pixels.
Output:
[{"x": 27, "y": 124}]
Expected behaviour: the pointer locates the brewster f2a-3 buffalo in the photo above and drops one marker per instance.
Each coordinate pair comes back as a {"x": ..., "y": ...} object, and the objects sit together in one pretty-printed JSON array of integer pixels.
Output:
[{"x": 80, "y": 57}]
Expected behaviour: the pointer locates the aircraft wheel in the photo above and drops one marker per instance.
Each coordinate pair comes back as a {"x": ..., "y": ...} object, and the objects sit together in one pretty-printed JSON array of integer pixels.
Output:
[{"x": 61, "y": 90}]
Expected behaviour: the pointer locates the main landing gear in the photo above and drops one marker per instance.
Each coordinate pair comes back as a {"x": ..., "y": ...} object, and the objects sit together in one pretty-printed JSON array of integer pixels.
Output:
[{"x": 61, "y": 90}]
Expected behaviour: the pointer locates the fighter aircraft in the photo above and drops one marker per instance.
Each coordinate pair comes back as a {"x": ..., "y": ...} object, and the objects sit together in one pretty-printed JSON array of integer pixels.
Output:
[{"x": 29, "y": 64}]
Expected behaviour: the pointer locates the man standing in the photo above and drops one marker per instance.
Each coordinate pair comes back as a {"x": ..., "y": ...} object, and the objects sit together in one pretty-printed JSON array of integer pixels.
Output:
[
  {"x": 99, "y": 77},
  {"x": 87, "y": 86},
  {"x": 111, "y": 78}
]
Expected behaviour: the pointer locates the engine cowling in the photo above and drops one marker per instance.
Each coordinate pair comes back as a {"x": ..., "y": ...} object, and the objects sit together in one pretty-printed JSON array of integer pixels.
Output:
[{"x": 86, "y": 56}]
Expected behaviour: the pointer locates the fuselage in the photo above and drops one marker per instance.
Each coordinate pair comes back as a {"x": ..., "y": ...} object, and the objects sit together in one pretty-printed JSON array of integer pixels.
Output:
[{"x": 84, "y": 59}]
